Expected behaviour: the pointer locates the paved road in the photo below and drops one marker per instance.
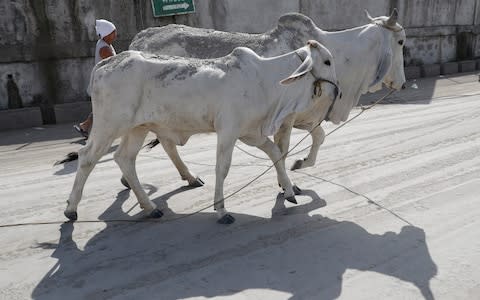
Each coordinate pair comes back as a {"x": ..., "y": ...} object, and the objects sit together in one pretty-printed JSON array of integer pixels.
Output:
[{"x": 389, "y": 212}]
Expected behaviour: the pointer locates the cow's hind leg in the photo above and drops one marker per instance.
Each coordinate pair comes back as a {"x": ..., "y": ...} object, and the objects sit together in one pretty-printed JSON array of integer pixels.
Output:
[
  {"x": 88, "y": 157},
  {"x": 125, "y": 158},
  {"x": 171, "y": 150},
  {"x": 318, "y": 136},
  {"x": 225, "y": 145}
]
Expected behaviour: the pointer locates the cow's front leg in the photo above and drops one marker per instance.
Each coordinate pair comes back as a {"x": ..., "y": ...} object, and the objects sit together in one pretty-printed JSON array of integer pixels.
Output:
[
  {"x": 318, "y": 136},
  {"x": 125, "y": 158},
  {"x": 171, "y": 150},
  {"x": 273, "y": 151},
  {"x": 282, "y": 137},
  {"x": 225, "y": 144},
  {"x": 282, "y": 140}
]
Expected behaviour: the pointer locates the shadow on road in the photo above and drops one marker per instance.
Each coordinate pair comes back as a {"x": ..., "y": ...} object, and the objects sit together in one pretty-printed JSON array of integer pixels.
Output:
[
  {"x": 417, "y": 92},
  {"x": 291, "y": 252},
  {"x": 44, "y": 133}
]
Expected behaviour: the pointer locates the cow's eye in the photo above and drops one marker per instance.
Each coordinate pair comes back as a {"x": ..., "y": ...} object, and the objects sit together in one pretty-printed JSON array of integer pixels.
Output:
[
  {"x": 400, "y": 42},
  {"x": 327, "y": 62}
]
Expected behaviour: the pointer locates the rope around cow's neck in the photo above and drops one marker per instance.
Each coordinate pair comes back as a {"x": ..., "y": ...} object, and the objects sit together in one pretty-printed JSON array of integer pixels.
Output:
[{"x": 363, "y": 109}]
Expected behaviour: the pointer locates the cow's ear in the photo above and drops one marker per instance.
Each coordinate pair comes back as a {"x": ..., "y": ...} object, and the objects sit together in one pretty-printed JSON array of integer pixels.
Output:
[
  {"x": 305, "y": 67},
  {"x": 383, "y": 64}
]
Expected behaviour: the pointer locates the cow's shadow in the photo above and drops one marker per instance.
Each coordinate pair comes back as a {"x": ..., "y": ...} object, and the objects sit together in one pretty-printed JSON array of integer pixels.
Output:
[
  {"x": 421, "y": 96},
  {"x": 195, "y": 257}
]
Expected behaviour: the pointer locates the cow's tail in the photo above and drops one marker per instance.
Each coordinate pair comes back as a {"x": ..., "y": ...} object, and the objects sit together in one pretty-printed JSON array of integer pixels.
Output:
[
  {"x": 69, "y": 157},
  {"x": 152, "y": 144}
]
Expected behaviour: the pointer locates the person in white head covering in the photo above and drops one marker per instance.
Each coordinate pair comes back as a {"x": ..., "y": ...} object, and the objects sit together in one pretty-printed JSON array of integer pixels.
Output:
[{"x": 107, "y": 33}]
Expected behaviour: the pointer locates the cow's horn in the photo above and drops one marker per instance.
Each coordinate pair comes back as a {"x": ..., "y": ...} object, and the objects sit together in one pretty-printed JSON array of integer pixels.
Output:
[
  {"x": 392, "y": 20},
  {"x": 368, "y": 15}
]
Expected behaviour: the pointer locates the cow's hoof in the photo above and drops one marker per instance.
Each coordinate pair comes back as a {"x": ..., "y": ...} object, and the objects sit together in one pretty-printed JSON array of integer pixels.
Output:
[
  {"x": 72, "y": 215},
  {"x": 226, "y": 219},
  {"x": 297, "y": 165},
  {"x": 292, "y": 199},
  {"x": 124, "y": 182},
  {"x": 297, "y": 190},
  {"x": 197, "y": 183},
  {"x": 156, "y": 214}
]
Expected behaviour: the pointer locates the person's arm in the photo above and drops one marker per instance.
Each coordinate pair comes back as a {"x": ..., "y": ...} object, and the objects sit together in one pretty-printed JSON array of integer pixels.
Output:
[{"x": 105, "y": 52}]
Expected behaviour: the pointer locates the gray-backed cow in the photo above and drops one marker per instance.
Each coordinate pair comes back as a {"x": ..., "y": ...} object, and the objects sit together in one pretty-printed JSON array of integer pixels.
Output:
[
  {"x": 238, "y": 96},
  {"x": 365, "y": 57}
]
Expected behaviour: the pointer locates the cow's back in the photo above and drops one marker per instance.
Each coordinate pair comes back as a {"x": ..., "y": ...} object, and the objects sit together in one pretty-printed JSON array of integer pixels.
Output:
[
  {"x": 188, "y": 41},
  {"x": 291, "y": 33},
  {"x": 149, "y": 87}
]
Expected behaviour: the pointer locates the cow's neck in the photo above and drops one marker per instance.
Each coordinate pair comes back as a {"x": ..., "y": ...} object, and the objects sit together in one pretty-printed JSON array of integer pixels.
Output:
[
  {"x": 339, "y": 40},
  {"x": 350, "y": 51},
  {"x": 279, "y": 68}
]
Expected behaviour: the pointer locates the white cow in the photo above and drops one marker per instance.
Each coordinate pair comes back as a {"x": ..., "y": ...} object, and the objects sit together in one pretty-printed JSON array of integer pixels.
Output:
[
  {"x": 237, "y": 96},
  {"x": 364, "y": 57}
]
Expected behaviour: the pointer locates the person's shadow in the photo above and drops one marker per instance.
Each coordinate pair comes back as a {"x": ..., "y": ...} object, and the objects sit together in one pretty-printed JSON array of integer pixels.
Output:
[{"x": 291, "y": 252}]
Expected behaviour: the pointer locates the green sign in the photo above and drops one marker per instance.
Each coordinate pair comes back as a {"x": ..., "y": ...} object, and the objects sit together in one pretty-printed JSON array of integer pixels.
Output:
[{"x": 172, "y": 7}]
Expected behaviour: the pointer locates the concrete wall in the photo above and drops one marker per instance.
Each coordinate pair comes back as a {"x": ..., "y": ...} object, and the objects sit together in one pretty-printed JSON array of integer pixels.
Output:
[{"x": 48, "y": 44}]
